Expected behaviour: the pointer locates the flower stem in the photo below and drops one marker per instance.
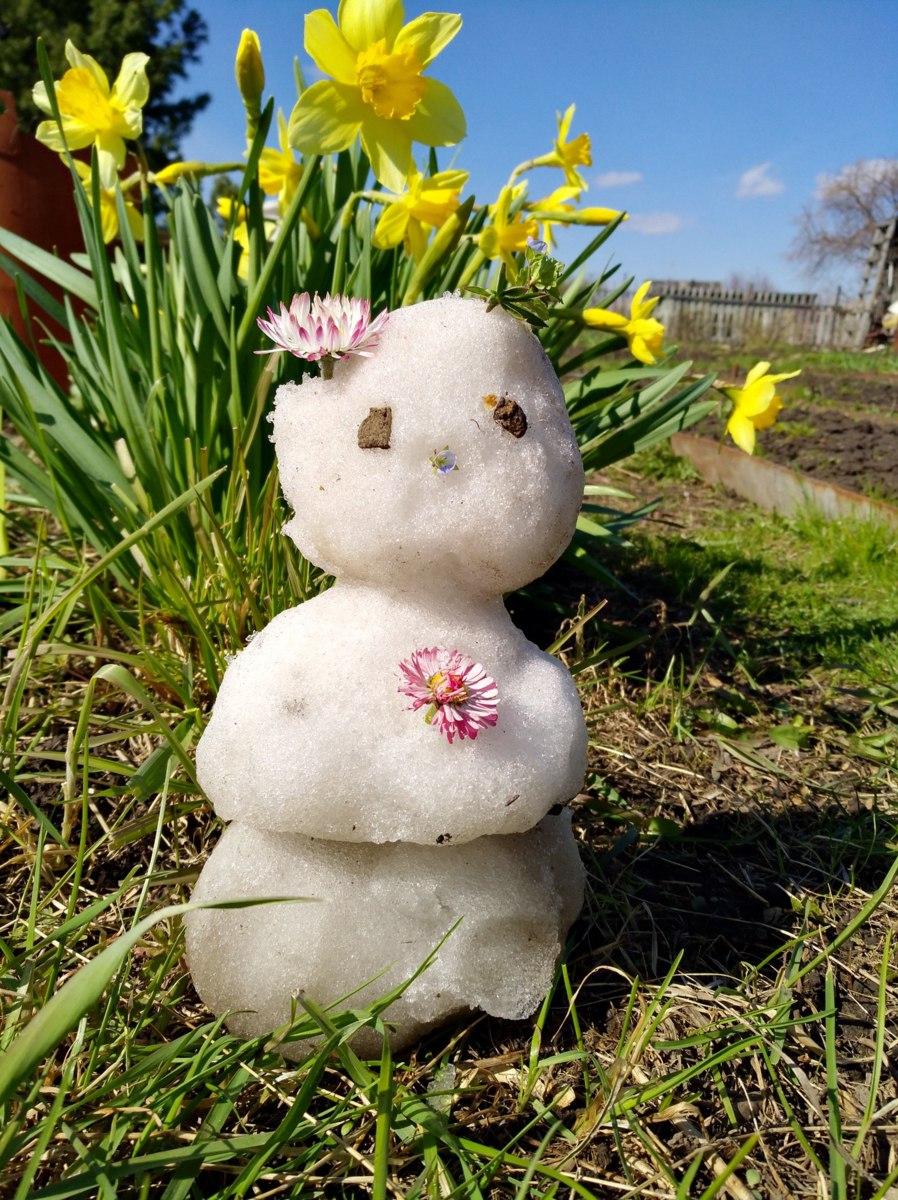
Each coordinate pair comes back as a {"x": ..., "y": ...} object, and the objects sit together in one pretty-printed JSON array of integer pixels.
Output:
[{"x": 276, "y": 253}]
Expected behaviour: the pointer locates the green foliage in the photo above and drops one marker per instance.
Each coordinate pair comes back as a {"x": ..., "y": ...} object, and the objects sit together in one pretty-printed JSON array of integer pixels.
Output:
[{"x": 169, "y": 31}]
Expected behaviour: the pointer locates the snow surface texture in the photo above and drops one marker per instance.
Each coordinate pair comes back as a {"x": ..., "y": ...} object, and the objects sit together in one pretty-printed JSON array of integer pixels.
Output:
[
  {"x": 328, "y": 747},
  {"x": 310, "y": 737},
  {"x": 383, "y": 907}
]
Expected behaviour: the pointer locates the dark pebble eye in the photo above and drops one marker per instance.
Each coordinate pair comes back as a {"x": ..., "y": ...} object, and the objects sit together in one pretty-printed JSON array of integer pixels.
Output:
[
  {"x": 507, "y": 413},
  {"x": 374, "y": 431}
]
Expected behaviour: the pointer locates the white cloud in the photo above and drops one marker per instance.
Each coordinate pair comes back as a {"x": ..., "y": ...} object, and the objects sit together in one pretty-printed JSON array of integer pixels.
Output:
[
  {"x": 757, "y": 182},
  {"x": 612, "y": 179},
  {"x": 656, "y": 222}
]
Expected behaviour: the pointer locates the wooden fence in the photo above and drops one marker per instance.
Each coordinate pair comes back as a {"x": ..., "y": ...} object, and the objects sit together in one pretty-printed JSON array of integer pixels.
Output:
[{"x": 709, "y": 312}]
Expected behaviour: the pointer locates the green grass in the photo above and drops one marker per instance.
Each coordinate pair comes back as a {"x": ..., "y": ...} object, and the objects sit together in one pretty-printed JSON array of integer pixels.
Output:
[
  {"x": 706, "y": 998},
  {"x": 792, "y": 358}
]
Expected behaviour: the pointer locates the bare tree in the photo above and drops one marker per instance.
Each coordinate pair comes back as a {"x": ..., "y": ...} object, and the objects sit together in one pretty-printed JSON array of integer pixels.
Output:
[
  {"x": 757, "y": 281},
  {"x": 837, "y": 228}
]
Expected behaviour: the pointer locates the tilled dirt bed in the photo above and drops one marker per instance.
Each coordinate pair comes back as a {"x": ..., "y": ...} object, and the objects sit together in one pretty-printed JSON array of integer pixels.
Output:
[{"x": 845, "y": 431}]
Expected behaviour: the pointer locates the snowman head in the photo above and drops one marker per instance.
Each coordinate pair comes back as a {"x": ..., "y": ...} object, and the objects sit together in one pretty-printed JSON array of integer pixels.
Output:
[{"x": 445, "y": 460}]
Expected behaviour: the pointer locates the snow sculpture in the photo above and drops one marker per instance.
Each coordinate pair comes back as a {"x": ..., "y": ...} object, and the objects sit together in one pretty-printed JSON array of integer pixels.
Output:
[{"x": 395, "y": 747}]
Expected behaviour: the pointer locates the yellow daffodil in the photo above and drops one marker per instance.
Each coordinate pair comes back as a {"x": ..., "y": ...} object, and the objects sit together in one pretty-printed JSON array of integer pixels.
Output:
[
  {"x": 555, "y": 209},
  {"x": 574, "y": 153},
  {"x": 506, "y": 236},
  {"x": 94, "y": 114},
  {"x": 644, "y": 334},
  {"x": 755, "y": 406},
  {"x": 109, "y": 221},
  {"x": 424, "y": 206},
  {"x": 279, "y": 172},
  {"x": 230, "y": 211},
  {"x": 377, "y": 89},
  {"x": 564, "y": 153}
]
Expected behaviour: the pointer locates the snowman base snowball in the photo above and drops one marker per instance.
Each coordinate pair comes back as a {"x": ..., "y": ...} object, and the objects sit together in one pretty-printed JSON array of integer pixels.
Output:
[{"x": 403, "y": 766}]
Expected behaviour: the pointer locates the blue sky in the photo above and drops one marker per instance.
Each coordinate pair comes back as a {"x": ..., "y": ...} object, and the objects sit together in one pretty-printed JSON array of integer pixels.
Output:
[{"x": 711, "y": 120}]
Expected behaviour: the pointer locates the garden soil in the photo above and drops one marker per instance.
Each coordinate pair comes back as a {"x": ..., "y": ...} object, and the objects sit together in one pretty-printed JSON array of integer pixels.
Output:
[{"x": 841, "y": 428}]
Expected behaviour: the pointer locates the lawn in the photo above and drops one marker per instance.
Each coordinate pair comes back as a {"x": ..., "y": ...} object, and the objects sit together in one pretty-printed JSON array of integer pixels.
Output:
[{"x": 724, "y": 1016}]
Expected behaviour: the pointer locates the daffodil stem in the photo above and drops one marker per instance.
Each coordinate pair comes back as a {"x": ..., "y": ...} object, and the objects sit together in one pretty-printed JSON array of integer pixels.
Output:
[
  {"x": 199, "y": 170},
  {"x": 273, "y": 259},
  {"x": 545, "y": 160},
  {"x": 476, "y": 262},
  {"x": 346, "y": 218}
]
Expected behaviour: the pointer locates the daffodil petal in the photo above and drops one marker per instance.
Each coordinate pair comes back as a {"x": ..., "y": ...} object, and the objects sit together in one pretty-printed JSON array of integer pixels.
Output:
[
  {"x": 390, "y": 228},
  {"x": 641, "y": 294},
  {"x": 741, "y": 431},
  {"x": 640, "y": 350},
  {"x": 755, "y": 399},
  {"x": 438, "y": 120},
  {"x": 326, "y": 118},
  {"x": 757, "y": 371},
  {"x": 388, "y": 145},
  {"x": 786, "y": 375},
  {"x": 429, "y": 34},
  {"x": 108, "y": 215},
  {"x": 560, "y": 196},
  {"x": 135, "y": 222},
  {"x": 417, "y": 240},
  {"x": 564, "y": 123},
  {"x": 77, "y": 136},
  {"x": 328, "y": 48},
  {"x": 363, "y": 22},
  {"x": 77, "y": 59},
  {"x": 283, "y": 137},
  {"x": 453, "y": 180},
  {"x": 132, "y": 88},
  {"x": 40, "y": 98}
]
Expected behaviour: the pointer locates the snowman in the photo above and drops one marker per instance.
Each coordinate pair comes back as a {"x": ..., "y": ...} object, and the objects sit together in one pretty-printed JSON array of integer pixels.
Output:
[{"x": 395, "y": 749}]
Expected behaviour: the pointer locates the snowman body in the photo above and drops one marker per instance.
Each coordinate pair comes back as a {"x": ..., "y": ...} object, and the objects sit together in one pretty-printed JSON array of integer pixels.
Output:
[{"x": 429, "y": 478}]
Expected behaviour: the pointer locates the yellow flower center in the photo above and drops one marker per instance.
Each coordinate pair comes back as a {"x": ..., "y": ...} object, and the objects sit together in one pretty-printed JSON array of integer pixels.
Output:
[
  {"x": 391, "y": 83},
  {"x": 80, "y": 97},
  {"x": 447, "y": 688}
]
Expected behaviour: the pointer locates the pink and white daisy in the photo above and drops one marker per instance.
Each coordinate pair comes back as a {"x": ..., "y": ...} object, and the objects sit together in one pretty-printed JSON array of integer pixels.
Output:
[
  {"x": 460, "y": 697},
  {"x": 328, "y": 329}
]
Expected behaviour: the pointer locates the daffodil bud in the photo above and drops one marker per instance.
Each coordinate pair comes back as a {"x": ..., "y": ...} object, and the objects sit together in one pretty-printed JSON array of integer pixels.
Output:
[{"x": 250, "y": 72}]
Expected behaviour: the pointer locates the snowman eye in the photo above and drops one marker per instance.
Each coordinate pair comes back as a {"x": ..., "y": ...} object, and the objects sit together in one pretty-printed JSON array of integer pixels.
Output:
[
  {"x": 374, "y": 431},
  {"x": 507, "y": 413}
]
